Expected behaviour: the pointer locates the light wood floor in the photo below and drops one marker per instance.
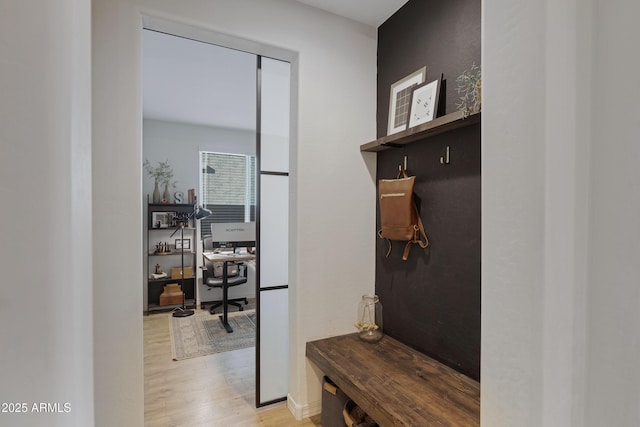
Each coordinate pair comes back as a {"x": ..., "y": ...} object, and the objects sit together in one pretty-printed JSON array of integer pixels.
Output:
[{"x": 215, "y": 390}]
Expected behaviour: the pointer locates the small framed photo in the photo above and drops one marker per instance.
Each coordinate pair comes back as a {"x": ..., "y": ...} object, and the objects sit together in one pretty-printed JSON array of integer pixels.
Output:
[
  {"x": 399, "y": 98},
  {"x": 424, "y": 103},
  {"x": 161, "y": 219},
  {"x": 183, "y": 244}
]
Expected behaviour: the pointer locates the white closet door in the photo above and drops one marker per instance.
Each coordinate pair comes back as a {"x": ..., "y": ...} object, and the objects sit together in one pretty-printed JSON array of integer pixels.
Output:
[
  {"x": 274, "y": 113},
  {"x": 274, "y": 345},
  {"x": 274, "y": 231},
  {"x": 273, "y": 245}
]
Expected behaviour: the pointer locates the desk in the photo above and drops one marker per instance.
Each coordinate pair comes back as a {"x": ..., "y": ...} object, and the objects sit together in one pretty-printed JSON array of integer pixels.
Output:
[{"x": 226, "y": 258}]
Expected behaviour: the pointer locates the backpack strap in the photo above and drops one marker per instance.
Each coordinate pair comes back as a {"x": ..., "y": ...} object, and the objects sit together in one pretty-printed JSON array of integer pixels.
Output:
[
  {"x": 388, "y": 241},
  {"x": 402, "y": 173},
  {"x": 418, "y": 236}
]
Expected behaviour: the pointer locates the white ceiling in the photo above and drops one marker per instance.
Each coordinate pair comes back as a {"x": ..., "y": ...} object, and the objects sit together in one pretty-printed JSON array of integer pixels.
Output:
[
  {"x": 192, "y": 82},
  {"x": 370, "y": 12},
  {"x": 198, "y": 83}
]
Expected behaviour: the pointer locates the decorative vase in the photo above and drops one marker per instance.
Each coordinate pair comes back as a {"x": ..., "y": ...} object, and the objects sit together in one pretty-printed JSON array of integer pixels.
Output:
[
  {"x": 166, "y": 197},
  {"x": 369, "y": 321},
  {"x": 156, "y": 194}
]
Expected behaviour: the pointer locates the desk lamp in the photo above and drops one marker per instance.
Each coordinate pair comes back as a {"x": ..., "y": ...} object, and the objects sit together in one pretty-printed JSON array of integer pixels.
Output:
[{"x": 197, "y": 214}]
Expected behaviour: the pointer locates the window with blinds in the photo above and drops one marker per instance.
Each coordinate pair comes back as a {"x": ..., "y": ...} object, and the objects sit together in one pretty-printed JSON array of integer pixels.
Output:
[{"x": 227, "y": 188}]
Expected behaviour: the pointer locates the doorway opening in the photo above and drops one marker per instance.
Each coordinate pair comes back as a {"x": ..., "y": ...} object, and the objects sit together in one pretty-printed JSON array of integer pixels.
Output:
[{"x": 199, "y": 97}]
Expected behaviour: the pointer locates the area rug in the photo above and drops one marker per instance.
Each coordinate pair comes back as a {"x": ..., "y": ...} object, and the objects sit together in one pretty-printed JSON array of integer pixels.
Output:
[{"x": 203, "y": 334}]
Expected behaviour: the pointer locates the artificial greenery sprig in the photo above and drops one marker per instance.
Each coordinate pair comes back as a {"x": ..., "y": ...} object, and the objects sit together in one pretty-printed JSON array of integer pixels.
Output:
[
  {"x": 367, "y": 320},
  {"x": 162, "y": 174},
  {"x": 470, "y": 90},
  {"x": 366, "y": 326}
]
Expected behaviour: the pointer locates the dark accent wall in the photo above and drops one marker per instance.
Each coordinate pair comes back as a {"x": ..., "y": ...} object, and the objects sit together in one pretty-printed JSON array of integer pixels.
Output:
[{"x": 432, "y": 301}]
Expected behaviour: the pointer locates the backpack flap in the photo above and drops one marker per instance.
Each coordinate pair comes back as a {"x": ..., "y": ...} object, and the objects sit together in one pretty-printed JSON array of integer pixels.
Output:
[{"x": 396, "y": 208}]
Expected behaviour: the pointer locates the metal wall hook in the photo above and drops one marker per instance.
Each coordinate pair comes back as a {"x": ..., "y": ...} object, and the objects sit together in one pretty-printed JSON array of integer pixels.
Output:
[
  {"x": 445, "y": 160},
  {"x": 403, "y": 167}
]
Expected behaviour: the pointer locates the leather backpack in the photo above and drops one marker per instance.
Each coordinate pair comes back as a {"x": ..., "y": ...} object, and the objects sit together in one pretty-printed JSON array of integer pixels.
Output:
[{"x": 399, "y": 218}]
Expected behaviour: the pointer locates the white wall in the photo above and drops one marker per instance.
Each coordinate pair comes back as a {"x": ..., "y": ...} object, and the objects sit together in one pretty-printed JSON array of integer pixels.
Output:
[
  {"x": 46, "y": 350},
  {"x": 560, "y": 205},
  {"x": 117, "y": 204},
  {"x": 613, "y": 342},
  {"x": 334, "y": 62},
  {"x": 513, "y": 177}
]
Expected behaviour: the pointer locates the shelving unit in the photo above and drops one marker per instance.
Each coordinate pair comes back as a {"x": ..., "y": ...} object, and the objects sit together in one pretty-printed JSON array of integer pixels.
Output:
[
  {"x": 171, "y": 258},
  {"x": 436, "y": 126}
]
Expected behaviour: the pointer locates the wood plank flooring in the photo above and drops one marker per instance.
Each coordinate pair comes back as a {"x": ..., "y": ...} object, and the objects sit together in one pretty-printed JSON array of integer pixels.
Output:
[{"x": 215, "y": 390}]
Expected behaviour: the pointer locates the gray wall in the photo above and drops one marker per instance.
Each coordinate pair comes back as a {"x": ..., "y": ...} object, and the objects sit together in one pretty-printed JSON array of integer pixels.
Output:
[{"x": 180, "y": 143}]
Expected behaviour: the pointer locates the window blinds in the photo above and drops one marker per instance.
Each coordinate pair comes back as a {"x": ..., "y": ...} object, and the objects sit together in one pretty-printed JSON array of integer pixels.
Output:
[{"x": 227, "y": 188}]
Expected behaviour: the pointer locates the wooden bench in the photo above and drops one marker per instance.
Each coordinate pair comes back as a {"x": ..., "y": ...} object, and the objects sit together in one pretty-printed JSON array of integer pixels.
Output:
[{"x": 396, "y": 385}]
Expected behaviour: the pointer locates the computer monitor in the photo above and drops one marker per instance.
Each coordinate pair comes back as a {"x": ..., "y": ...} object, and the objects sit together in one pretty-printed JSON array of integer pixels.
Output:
[{"x": 233, "y": 234}]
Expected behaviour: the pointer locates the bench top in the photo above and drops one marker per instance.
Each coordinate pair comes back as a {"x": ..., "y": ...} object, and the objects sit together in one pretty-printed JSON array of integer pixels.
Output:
[{"x": 397, "y": 385}]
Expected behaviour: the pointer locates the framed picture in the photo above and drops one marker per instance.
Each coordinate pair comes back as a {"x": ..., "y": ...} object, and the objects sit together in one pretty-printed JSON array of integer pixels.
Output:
[
  {"x": 161, "y": 219},
  {"x": 399, "y": 98},
  {"x": 424, "y": 103},
  {"x": 183, "y": 244}
]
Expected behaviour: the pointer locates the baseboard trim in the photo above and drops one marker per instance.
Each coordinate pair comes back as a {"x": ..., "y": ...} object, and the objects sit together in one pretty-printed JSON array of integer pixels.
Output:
[{"x": 303, "y": 411}]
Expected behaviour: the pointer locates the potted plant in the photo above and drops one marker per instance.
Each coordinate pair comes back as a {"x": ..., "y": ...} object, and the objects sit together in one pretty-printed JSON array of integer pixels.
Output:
[{"x": 162, "y": 175}]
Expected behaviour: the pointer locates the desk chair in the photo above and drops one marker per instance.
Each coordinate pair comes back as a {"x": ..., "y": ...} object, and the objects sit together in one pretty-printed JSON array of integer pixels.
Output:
[{"x": 210, "y": 280}]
